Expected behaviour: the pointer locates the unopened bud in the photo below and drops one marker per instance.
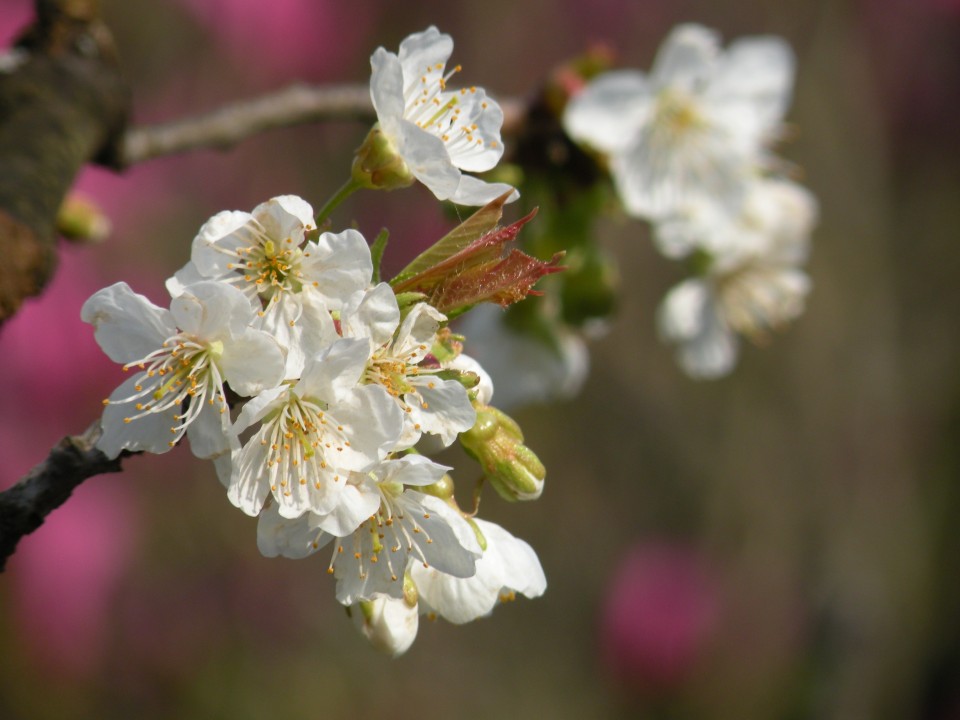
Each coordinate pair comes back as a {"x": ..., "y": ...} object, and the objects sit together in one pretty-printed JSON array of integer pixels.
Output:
[
  {"x": 378, "y": 165},
  {"x": 81, "y": 220},
  {"x": 390, "y": 624},
  {"x": 442, "y": 489},
  {"x": 496, "y": 442}
]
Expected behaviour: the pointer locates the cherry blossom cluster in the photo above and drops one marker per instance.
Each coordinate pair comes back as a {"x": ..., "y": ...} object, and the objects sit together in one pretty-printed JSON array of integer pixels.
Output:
[
  {"x": 318, "y": 392},
  {"x": 688, "y": 146}
]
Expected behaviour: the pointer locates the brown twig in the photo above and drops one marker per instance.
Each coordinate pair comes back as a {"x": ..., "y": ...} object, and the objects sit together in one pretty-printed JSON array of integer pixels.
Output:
[{"x": 25, "y": 506}]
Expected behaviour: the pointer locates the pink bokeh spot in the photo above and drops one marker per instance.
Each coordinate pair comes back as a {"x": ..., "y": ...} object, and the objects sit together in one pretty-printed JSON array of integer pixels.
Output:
[
  {"x": 15, "y": 15},
  {"x": 64, "y": 578},
  {"x": 661, "y": 610},
  {"x": 313, "y": 38}
]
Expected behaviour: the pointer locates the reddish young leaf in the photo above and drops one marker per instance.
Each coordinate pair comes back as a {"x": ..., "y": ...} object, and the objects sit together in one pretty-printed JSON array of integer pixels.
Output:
[{"x": 479, "y": 273}]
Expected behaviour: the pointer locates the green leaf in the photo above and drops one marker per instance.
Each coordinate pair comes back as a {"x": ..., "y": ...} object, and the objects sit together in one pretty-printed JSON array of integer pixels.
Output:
[{"x": 481, "y": 222}]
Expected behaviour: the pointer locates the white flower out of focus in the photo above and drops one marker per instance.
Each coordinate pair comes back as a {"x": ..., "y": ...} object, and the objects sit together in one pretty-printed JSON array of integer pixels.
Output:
[
  {"x": 436, "y": 132},
  {"x": 754, "y": 288},
  {"x": 698, "y": 125},
  {"x": 184, "y": 357}
]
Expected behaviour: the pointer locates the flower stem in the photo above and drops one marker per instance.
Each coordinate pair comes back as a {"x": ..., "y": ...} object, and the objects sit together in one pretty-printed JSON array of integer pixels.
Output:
[{"x": 345, "y": 191}]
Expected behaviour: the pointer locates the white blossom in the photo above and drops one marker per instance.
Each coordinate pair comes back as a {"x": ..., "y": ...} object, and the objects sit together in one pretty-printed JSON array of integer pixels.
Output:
[
  {"x": 755, "y": 286},
  {"x": 184, "y": 357},
  {"x": 406, "y": 526},
  {"x": 437, "y": 132},
  {"x": 508, "y": 566},
  {"x": 697, "y": 125},
  {"x": 399, "y": 363},
  {"x": 390, "y": 624},
  {"x": 291, "y": 282},
  {"x": 313, "y": 434}
]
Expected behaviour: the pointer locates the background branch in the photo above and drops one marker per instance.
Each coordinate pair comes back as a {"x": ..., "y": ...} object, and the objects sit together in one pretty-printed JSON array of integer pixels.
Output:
[{"x": 297, "y": 104}]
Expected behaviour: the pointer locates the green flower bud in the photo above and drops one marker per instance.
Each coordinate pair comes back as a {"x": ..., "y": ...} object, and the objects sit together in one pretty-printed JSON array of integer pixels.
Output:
[
  {"x": 496, "y": 442},
  {"x": 442, "y": 489},
  {"x": 378, "y": 165},
  {"x": 81, "y": 220}
]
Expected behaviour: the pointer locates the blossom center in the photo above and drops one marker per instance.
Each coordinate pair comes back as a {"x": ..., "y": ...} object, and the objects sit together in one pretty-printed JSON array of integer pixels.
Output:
[
  {"x": 180, "y": 376},
  {"x": 675, "y": 115},
  {"x": 299, "y": 440},
  {"x": 389, "y": 536}
]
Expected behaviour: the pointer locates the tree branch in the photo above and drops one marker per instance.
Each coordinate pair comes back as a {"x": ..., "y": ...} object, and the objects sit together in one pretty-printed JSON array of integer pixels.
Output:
[
  {"x": 294, "y": 105},
  {"x": 25, "y": 506},
  {"x": 63, "y": 103}
]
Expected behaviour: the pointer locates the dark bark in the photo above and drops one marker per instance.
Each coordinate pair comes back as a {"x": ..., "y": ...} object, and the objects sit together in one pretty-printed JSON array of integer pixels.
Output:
[
  {"x": 63, "y": 103},
  {"x": 25, "y": 506}
]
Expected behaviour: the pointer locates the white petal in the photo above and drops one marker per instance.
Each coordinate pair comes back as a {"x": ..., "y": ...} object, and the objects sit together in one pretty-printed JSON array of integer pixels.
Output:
[
  {"x": 256, "y": 408},
  {"x": 751, "y": 87},
  {"x": 389, "y": 624},
  {"x": 474, "y": 142},
  {"x": 707, "y": 347},
  {"x": 218, "y": 239},
  {"x": 607, "y": 113},
  {"x": 150, "y": 433},
  {"x": 184, "y": 278},
  {"x": 428, "y": 160},
  {"x": 421, "y": 51},
  {"x": 252, "y": 363},
  {"x": 126, "y": 325},
  {"x": 413, "y": 470},
  {"x": 508, "y": 564},
  {"x": 208, "y": 433},
  {"x": 249, "y": 484},
  {"x": 681, "y": 315},
  {"x": 447, "y": 531},
  {"x": 686, "y": 57},
  {"x": 372, "y": 314},
  {"x": 520, "y": 569},
  {"x": 386, "y": 90},
  {"x": 211, "y": 310},
  {"x": 356, "y": 503},
  {"x": 372, "y": 421},
  {"x": 465, "y": 363},
  {"x": 337, "y": 265},
  {"x": 474, "y": 192},
  {"x": 440, "y": 407},
  {"x": 284, "y": 219},
  {"x": 335, "y": 371},
  {"x": 288, "y": 537}
]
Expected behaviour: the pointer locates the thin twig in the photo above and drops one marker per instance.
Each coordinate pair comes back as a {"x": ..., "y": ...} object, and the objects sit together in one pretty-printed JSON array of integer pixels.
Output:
[{"x": 294, "y": 105}]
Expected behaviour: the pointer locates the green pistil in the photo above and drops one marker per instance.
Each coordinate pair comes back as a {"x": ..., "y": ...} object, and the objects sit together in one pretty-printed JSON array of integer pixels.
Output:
[{"x": 447, "y": 107}]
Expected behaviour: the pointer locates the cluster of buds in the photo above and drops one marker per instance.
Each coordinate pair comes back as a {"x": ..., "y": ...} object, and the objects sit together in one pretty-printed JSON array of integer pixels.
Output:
[{"x": 318, "y": 391}]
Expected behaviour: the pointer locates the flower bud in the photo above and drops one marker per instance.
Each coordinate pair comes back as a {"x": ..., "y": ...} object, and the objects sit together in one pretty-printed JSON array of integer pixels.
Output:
[
  {"x": 81, "y": 220},
  {"x": 496, "y": 442},
  {"x": 390, "y": 624},
  {"x": 442, "y": 489},
  {"x": 378, "y": 165}
]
